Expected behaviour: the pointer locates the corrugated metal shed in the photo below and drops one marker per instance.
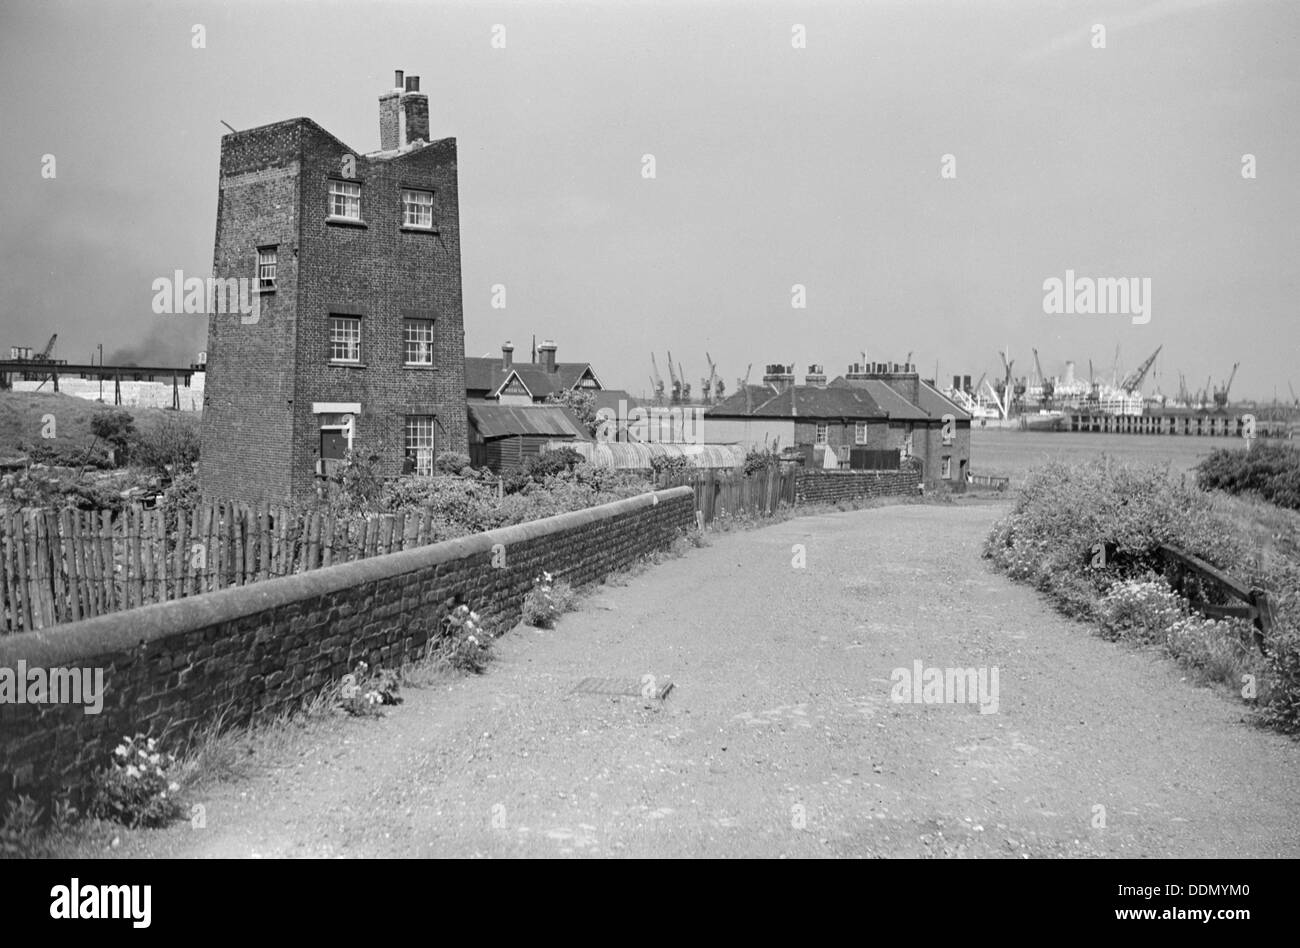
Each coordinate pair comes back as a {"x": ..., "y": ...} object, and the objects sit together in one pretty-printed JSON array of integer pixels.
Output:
[
  {"x": 503, "y": 421},
  {"x": 635, "y": 456}
]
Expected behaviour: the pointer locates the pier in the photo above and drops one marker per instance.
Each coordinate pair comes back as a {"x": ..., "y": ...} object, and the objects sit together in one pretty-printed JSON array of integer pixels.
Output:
[{"x": 1214, "y": 424}]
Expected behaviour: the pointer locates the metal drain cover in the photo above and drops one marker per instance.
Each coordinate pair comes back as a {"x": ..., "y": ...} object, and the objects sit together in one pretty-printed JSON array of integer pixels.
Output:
[{"x": 646, "y": 687}]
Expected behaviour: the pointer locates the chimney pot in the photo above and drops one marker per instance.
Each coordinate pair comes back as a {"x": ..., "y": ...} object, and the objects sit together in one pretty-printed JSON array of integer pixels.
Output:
[
  {"x": 397, "y": 81},
  {"x": 507, "y": 355}
]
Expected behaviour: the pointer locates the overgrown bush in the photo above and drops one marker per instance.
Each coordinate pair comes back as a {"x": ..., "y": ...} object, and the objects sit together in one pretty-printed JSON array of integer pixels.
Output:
[
  {"x": 137, "y": 788},
  {"x": 114, "y": 427},
  {"x": 1064, "y": 513},
  {"x": 760, "y": 460},
  {"x": 674, "y": 467},
  {"x": 1269, "y": 470},
  {"x": 168, "y": 447},
  {"x": 551, "y": 463},
  {"x": 450, "y": 462}
]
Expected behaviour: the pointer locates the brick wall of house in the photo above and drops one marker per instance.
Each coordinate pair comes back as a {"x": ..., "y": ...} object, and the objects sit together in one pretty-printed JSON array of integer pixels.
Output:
[
  {"x": 382, "y": 273},
  {"x": 247, "y": 412},
  {"x": 256, "y": 651},
  {"x": 828, "y": 487}
]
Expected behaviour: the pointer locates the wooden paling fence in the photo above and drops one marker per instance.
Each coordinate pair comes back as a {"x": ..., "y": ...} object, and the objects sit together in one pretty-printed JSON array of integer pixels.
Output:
[
  {"x": 723, "y": 494},
  {"x": 62, "y": 566}
]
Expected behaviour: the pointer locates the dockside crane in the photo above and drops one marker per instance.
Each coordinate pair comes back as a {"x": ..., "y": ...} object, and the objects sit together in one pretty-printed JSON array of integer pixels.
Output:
[
  {"x": 677, "y": 383},
  {"x": 1046, "y": 384},
  {"x": 686, "y": 386},
  {"x": 1295, "y": 402},
  {"x": 1133, "y": 381},
  {"x": 712, "y": 385},
  {"x": 1221, "y": 394},
  {"x": 658, "y": 381},
  {"x": 1006, "y": 385}
]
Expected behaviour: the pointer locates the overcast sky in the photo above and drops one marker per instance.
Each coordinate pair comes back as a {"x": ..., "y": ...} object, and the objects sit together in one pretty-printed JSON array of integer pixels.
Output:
[{"x": 774, "y": 166}]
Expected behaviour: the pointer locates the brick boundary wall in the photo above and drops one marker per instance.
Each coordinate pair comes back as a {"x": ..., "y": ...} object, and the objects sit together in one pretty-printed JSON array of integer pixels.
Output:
[
  {"x": 255, "y": 651},
  {"x": 828, "y": 487}
]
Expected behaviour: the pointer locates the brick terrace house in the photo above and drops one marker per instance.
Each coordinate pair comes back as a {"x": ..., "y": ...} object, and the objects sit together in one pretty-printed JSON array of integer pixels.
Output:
[
  {"x": 359, "y": 341},
  {"x": 507, "y": 382},
  {"x": 876, "y": 414}
]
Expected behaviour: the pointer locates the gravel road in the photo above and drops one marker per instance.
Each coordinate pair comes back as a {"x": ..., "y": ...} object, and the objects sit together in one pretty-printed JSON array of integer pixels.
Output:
[{"x": 779, "y": 737}]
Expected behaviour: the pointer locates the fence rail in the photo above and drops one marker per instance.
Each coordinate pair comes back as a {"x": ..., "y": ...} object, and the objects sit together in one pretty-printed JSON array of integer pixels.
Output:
[
  {"x": 1207, "y": 587},
  {"x": 62, "y": 566}
]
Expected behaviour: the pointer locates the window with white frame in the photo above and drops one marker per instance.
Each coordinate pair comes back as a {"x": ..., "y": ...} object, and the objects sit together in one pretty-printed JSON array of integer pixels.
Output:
[
  {"x": 345, "y": 200},
  {"x": 345, "y": 339},
  {"x": 947, "y": 469},
  {"x": 860, "y": 433},
  {"x": 418, "y": 341},
  {"x": 266, "y": 265},
  {"x": 419, "y": 442},
  {"x": 823, "y": 432},
  {"x": 417, "y": 208}
]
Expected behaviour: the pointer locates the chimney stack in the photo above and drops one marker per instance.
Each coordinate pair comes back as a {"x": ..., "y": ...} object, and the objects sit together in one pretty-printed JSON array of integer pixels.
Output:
[
  {"x": 403, "y": 113},
  {"x": 507, "y": 356},
  {"x": 779, "y": 376},
  {"x": 547, "y": 350},
  {"x": 816, "y": 376}
]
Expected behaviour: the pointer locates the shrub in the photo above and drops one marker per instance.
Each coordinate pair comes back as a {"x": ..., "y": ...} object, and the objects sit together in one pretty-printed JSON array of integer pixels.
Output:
[
  {"x": 582, "y": 404},
  {"x": 672, "y": 466},
  {"x": 117, "y": 428},
  {"x": 134, "y": 789},
  {"x": 169, "y": 447},
  {"x": 451, "y": 462},
  {"x": 1064, "y": 511},
  {"x": 1270, "y": 470},
  {"x": 551, "y": 463},
  {"x": 758, "y": 460}
]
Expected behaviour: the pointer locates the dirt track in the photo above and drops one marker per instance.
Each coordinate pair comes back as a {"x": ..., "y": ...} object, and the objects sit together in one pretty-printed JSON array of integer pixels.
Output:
[{"x": 781, "y": 701}]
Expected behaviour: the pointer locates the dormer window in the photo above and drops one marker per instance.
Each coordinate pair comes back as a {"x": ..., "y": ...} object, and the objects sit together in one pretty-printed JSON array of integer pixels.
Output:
[
  {"x": 345, "y": 200},
  {"x": 417, "y": 209}
]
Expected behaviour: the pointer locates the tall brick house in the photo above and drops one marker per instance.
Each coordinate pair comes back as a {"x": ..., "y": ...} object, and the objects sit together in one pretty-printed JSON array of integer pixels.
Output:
[{"x": 358, "y": 340}]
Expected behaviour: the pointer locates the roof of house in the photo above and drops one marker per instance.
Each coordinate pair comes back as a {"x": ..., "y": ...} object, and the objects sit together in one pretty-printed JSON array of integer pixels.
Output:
[
  {"x": 502, "y": 421},
  {"x": 899, "y": 408},
  {"x": 798, "y": 401},
  {"x": 938, "y": 404},
  {"x": 483, "y": 374}
]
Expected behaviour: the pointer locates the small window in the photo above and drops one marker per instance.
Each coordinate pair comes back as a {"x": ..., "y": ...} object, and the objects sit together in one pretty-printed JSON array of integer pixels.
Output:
[
  {"x": 417, "y": 209},
  {"x": 947, "y": 468},
  {"x": 345, "y": 339},
  {"x": 860, "y": 432},
  {"x": 419, "y": 443},
  {"x": 266, "y": 264},
  {"x": 345, "y": 200},
  {"x": 419, "y": 341},
  {"x": 822, "y": 433}
]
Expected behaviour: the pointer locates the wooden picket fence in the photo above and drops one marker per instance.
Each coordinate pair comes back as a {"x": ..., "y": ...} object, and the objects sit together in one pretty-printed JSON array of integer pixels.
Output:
[{"x": 62, "y": 566}]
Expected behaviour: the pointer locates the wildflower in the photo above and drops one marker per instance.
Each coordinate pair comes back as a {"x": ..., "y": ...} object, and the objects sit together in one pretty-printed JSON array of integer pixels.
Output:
[
  {"x": 152, "y": 743},
  {"x": 120, "y": 751},
  {"x": 133, "y": 771},
  {"x": 173, "y": 786},
  {"x": 153, "y": 759},
  {"x": 473, "y": 616}
]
